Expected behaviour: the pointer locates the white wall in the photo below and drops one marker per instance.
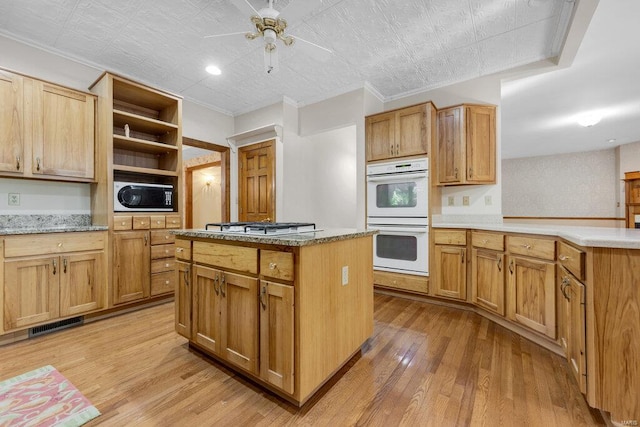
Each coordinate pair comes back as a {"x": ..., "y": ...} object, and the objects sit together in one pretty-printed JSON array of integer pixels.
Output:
[
  {"x": 204, "y": 124},
  {"x": 206, "y": 198},
  {"x": 568, "y": 185},
  {"x": 44, "y": 197}
]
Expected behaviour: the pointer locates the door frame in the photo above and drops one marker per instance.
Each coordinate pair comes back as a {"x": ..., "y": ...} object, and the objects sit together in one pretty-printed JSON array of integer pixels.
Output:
[
  {"x": 188, "y": 180},
  {"x": 225, "y": 183}
]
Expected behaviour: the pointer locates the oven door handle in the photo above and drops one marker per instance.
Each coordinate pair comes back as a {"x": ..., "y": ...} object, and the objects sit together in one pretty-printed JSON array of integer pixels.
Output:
[
  {"x": 417, "y": 230},
  {"x": 396, "y": 177}
]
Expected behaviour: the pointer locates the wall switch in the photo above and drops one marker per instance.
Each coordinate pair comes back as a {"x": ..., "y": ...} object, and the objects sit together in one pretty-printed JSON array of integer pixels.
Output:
[
  {"x": 465, "y": 200},
  {"x": 345, "y": 275},
  {"x": 487, "y": 200},
  {"x": 451, "y": 201},
  {"x": 14, "y": 199}
]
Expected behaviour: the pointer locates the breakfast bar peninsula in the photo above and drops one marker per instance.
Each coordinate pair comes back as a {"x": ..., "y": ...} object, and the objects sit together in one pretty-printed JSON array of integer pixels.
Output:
[{"x": 287, "y": 310}]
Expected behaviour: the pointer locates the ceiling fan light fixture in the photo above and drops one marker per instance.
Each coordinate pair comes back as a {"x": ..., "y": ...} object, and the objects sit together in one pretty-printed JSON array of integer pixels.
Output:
[{"x": 214, "y": 70}]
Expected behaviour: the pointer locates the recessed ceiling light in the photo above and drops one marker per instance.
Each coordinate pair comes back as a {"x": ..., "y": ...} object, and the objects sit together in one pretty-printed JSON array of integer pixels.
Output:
[
  {"x": 612, "y": 140},
  {"x": 212, "y": 69},
  {"x": 589, "y": 119}
]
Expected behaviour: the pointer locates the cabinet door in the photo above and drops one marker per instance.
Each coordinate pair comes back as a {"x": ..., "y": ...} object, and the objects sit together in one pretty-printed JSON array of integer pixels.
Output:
[
  {"x": 82, "y": 283},
  {"x": 411, "y": 131},
  {"x": 239, "y": 320},
  {"x": 206, "y": 305},
  {"x": 11, "y": 123},
  {"x": 531, "y": 294},
  {"x": 276, "y": 335},
  {"x": 481, "y": 144},
  {"x": 487, "y": 280},
  {"x": 450, "y": 142},
  {"x": 183, "y": 299},
  {"x": 131, "y": 266},
  {"x": 31, "y": 290},
  {"x": 574, "y": 293},
  {"x": 451, "y": 272},
  {"x": 380, "y": 136},
  {"x": 563, "y": 322},
  {"x": 63, "y": 140}
]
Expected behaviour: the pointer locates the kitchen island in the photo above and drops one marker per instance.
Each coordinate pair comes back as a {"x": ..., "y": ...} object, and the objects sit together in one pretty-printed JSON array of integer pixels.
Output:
[{"x": 288, "y": 311}]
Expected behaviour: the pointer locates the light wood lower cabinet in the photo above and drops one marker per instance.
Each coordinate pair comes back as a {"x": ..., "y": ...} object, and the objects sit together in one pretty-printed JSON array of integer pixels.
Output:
[
  {"x": 226, "y": 315},
  {"x": 184, "y": 286},
  {"x": 531, "y": 298},
  {"x": 573, "y": 331},
  {"x": 277, "y": 334},
  {"x": 487, "y": 280},
  {"x": 40, "y": 286},
  {"x": 450, "y": 272},
  {"x": 131, "y": 266}
]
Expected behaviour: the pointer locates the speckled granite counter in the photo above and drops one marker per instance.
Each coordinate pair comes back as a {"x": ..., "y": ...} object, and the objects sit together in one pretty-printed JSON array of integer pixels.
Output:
[
  {"x": 37, "y": 224},
  {"x": 301, "y": 239},
  {"x": 600, "y": 237}
]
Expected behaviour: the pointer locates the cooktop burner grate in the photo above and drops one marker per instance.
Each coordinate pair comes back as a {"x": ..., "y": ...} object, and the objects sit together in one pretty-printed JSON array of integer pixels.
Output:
[{"x": 262, "y": 227}]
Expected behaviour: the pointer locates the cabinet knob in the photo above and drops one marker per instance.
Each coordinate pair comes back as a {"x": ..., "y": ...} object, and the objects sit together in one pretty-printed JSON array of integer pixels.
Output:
[
  {"x": 485, "y": 241},
  {"x": 166, "y": 265},
  {"x": 564, "y": 257},
  {"x": 158, "y": 222},
  {"x": 166, "y": 282},
  {"x": 526, "y": 246},
  {"x": 124, "y": 223},
  {"x": 272, "y": 265},
  {"x": 179, "y": 249},
  {"x": 166, "y": 237},
  {"x": 166, "y": 251},
  {"x": 141, "y": 222},
  {"x": 60, "y": 244}
]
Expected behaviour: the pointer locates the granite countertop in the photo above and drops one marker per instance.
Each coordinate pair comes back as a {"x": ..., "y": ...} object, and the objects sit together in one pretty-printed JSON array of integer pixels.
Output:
[
  {"x": 300, "y": 239},
  {"x": 38, "y": 224},
  {"x": 599, "y": 237}
]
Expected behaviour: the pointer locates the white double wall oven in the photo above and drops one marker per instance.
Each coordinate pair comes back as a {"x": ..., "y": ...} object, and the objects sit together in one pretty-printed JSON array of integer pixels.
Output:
[{"x": 398, "y": 207}]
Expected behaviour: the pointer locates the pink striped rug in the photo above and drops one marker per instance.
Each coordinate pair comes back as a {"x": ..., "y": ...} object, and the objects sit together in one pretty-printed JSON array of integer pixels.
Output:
[{"x": 43, "y": 398}]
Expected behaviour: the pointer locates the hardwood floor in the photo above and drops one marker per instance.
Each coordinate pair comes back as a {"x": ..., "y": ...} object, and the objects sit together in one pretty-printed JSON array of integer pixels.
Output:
[{"x": 426, "y": 365}]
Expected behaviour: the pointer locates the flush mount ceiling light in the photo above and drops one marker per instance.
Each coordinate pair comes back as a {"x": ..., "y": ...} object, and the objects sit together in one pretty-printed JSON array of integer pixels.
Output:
[
  {"x": 212, "y": 69},
  {"x": 589, "y": 119},
  {"x": 270, "y": 27}
]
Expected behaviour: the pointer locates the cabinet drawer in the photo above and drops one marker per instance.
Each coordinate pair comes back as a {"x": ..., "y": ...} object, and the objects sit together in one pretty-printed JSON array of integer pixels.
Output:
[
  {"x": 162, "y": 237},
  {"x": 572, "y": 259},
  {"x": 163, "y": 265},
  {"x": 450, "y": 237},
  {"x": 163, "y": 251},
  {"x": 141, "y": 222},
  {"x": 183, "y": 249},
  {"x": 172, "y": 221},
  {"x": 278, "y": 265},
  {"x": 157, "y": 221},
  {"x": 488, "y": 240},
  {"x": 163, "y": 283},
  {"x": 533, "y": 247},
  {"x": 226, "y": 256},
  {"x": 54, "y": 243},
  {"x": 122, "y": 222}
]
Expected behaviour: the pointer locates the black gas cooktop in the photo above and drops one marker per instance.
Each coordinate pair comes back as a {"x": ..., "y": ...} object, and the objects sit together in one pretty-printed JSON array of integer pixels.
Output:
[{"x": 261, "y": 227}]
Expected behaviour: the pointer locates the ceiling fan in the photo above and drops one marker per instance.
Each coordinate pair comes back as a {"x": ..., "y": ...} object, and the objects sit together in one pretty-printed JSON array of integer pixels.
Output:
[{"x": 270, "y": 27}]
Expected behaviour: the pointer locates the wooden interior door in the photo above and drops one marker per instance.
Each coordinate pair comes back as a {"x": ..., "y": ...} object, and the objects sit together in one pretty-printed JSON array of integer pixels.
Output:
[{"x": 257, "y": 182}]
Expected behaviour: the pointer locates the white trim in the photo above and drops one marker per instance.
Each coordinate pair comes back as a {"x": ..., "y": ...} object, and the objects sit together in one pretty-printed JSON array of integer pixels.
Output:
[{"x": 253, "y": 136}]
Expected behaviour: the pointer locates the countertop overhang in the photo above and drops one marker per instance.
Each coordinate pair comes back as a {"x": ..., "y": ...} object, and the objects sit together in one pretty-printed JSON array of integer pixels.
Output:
[{"x": 51, "y": 229}]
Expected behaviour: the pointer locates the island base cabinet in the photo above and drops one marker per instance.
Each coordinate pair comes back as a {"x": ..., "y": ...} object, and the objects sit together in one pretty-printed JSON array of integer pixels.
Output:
[
  {"x": 531, "y": 294},
  {"x": 225, "y": 322},
  {"x": 183, "y": 298},
  {"x": 277, "y": 335}
]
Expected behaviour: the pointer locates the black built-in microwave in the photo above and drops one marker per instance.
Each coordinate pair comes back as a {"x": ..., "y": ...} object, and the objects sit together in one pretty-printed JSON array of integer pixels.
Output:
[{"x": 131, "y": 196}]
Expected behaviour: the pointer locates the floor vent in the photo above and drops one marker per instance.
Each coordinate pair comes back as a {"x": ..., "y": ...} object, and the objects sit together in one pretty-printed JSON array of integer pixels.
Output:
[{"x": 55, "y": 326}]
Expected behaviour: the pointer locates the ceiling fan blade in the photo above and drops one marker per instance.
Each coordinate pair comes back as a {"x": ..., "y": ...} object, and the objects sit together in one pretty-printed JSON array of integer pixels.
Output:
[
  {"x": 314, "y": 50},
  {"x": 224, "y": 35},
  {"x": 245, "y": 7},
  {"x": 296, "y": 9}
]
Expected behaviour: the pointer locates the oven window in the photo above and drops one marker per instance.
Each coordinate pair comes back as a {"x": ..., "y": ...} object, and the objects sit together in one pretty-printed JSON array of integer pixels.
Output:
[
  {"x": 403, "y": 248},
  {"x": 397, "y": 195}
]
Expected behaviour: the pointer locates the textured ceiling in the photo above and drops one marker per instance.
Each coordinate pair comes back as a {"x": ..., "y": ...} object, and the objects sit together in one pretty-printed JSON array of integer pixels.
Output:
[{"x": 397, "y": 47}]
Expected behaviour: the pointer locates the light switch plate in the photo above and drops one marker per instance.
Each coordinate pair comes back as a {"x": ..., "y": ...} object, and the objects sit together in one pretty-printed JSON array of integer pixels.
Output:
[
  {"x": 465, "y": 200},
  {"x": 452, "y": 201},
  {"x": 14, "y": 199}
]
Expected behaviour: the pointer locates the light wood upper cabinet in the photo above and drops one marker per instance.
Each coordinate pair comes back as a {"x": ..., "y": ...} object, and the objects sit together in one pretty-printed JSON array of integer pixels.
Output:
[
  {"x": 466, "y": 145},
  {"x": 11, "y": 123},
  {"x": 399, "y": 133},
  {"x": 63, "y": 132},
  {"x": 131, "y": 266}
]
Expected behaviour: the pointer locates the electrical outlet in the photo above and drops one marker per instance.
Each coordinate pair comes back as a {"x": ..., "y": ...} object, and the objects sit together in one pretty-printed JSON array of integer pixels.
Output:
[
  {"x": 14, "y": 199},
  {"x": 451, "y": 201},
  {"x": 345, "y": 275},
  {"x": 465, "y": 200},
  {"x": 487, "y": 200}
]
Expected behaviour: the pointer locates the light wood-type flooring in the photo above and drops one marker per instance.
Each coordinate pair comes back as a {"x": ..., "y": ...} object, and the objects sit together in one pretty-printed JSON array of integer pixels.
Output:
[{"x": 427, "y": 365}]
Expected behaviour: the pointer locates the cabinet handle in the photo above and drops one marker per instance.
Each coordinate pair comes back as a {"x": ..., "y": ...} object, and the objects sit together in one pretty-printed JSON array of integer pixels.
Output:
[
  {"x": 186, "y": 276},
  {"x": 37, "y": 163},
  {"x": 564, "y": 257},
  {"x": 511, "y": 267},
  {"x": 146, "y": 239},
  {"x": 527, "y": 247},
  {"x": 55, "y": 266},
  {"x": 17, "y": 162},
  {"x": 179, "y": 249},
  {"x": 470, "y": 172},
  {"x": 64, "y": 265},
  {"x": 456, "y": 172},
  {"x": 223, "y": 286},
  {"x": 500, "y": 264},
  {"x": 215, "y": 281},
  {"x": 272, "y": 265},
  {"x": 462, "y": 258},
  {"x": 263, "y": 292},
  {"x": 564, "y": 289}
]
